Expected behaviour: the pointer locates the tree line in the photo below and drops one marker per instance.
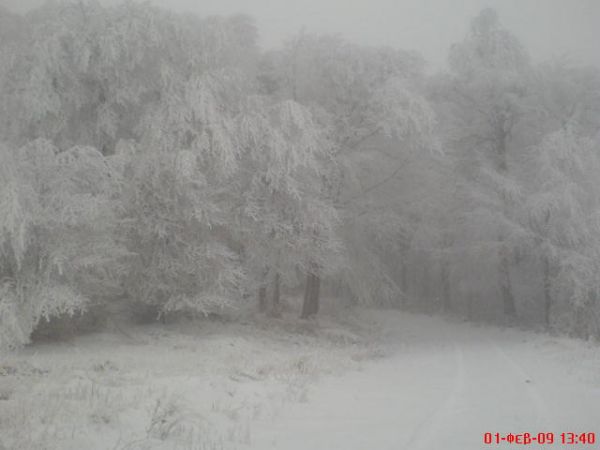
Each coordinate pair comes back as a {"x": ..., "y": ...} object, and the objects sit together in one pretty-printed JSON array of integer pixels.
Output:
[{"x": 165, "y": 160}]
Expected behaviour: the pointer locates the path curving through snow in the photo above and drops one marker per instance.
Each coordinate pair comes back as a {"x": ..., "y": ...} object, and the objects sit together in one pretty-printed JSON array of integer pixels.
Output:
[{"x": 445, "y": 385}]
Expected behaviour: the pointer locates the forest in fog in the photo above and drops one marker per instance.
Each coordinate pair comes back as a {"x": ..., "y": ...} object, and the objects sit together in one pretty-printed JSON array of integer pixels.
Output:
[{"x": 156, "y": 164}]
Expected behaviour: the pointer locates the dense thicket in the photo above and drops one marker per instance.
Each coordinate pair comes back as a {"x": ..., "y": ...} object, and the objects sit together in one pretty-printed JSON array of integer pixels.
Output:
[{"x": 150, "y": 158}]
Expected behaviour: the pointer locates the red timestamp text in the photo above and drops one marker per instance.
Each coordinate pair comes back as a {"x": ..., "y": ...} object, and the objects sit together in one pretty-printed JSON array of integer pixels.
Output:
[{"x": 566, "y": 438}]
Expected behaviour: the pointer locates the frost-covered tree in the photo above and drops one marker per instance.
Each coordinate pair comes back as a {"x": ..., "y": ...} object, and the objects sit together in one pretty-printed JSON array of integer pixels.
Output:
[
  {"x": 180, "y": 233},
  {"x": 564, "y": 216},
  {"x": 168, "y": 84},
  {"x": 88, "y": 74},
  {"x": 183, "y": 184},
  {"x": 520, "y": 138},
  {"x": 57, "y": 235},
  {"x": 483, "y": 100},
  {"x": 289, "y": 225},
  {"x": 560, "y": 175},
  {"x": 361, "y": 96}
]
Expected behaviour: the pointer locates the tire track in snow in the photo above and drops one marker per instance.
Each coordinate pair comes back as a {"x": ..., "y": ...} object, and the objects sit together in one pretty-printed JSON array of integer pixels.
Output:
[
  {"x": 545, "y": 422},
  {"x": 425, "y": 433},
  {"x": 446, "y": 423},
  {"x": 454, "y": 384}
]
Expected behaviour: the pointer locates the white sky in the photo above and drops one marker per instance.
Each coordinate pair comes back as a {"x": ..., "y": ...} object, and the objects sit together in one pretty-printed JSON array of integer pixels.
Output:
[{"x": 548, "y": 28}]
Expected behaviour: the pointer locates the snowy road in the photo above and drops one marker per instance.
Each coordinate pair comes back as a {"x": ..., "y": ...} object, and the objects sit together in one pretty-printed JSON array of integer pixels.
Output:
[{"x": 444, "y": 387}]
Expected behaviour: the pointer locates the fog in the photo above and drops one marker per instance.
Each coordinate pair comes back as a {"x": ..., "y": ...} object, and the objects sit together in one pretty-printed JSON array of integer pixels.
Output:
[
  {"x": 548, "y": 28},
  {"x": 315, "y": 225}
]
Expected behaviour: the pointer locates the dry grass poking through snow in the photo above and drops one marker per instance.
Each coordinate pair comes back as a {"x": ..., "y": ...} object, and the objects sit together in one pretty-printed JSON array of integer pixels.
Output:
[{"x": 192, "y": 386}]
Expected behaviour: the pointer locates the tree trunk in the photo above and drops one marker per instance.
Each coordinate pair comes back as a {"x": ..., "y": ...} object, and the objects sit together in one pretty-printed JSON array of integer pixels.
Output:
[
  {"x": 508, "y": 300},
  {"x": 306, "y": 306},
  {"x": 547, "y": 294},
  {"x": 262, "y": 293},
  {"x": 425, "y": 291},
  {"x": 262, "y": 298},
  {"x": 275, "y": 306},
  {"x": 404, "y": 281},
  {"x": 316, "y": 294},
  {"x": 310, "y": 306},
  {"x": 446, "y": 293},
  {"x": 547, "y": 281}
]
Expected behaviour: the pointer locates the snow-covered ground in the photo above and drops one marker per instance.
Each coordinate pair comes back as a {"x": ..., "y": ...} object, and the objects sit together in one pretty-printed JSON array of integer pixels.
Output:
[
  {"x": 446, "y": 385},
  {"x": 195, "y": 385},
  {"x": 366, "y": 380}
]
